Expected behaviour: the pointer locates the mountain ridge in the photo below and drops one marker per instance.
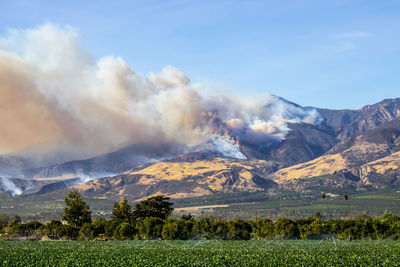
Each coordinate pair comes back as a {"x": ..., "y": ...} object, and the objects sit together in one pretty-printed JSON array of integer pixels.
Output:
[{"x": 356, "y": 146}]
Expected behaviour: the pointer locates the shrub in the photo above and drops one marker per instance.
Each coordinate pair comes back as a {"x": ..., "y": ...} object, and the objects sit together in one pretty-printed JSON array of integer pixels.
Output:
[
  {"x": 286, "y": 228},
  {"x": 124, "y": 231},
  {"x": 150, "y": 228},
  {"x": 177, "y": 229},
  {"x": 50, "y": 227},
  {"x": 240, "y": 229},
  {"x": 67, "y": 231},
  {"x": 263, "y": 228}
]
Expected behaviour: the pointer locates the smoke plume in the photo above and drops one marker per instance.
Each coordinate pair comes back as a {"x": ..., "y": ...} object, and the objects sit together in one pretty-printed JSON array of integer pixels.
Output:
[
  {"x": 55, "y": 96},
  {"x": 8, "y": 185}
]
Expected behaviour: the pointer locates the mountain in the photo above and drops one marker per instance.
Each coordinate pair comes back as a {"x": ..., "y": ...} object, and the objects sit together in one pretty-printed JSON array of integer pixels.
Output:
[
  {"x": 303, "y": 143},
  {"x": 108, "y": 164},
  {"x": 180, "y": 179},
  {"x": 350, "y": 122},
  {"x": 306, "y": 142},
  {"x": 59, "y": 176},
  {"x": 348, "y": 147},
  {"x": 11, "y": 166},
  {"x": 367, "y": 158}
]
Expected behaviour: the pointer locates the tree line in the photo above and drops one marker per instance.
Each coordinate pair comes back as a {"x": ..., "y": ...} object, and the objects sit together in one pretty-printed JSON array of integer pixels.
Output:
[{"x": 150, "y": 219}]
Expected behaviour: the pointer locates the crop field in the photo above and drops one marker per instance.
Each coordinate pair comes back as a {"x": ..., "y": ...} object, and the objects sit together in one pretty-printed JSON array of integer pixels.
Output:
[
  {"x": 228, "y": 205},
  {"x": 200, "y": 253}
]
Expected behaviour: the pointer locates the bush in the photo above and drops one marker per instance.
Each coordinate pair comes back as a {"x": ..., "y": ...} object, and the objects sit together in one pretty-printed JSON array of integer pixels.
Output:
[
  {"x": 240, "y": 230},
  {"x": 286, "y": 228},
  {"x": 14, "y": 221},
  {"x": 4, "y": 221},
  {"x": 67, "y": 231},
  {"x": 50, "y": 227},
  {"x": 263, "y": 228},
  {"x": 177, "y": 229},
  {"x": 150, "y": 228},
  {"x": 124, "y": 231},
  {"x": 203, "y": 228},
  {"x": 93, "y": 229},
  {"x": 110, "y": 227},
  {"x": 219, "y": 229},
  {"x": 28, "y": 228}
]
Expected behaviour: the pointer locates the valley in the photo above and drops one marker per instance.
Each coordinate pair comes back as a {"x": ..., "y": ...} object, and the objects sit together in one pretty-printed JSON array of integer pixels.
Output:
[{"x": 348, "y": 151}]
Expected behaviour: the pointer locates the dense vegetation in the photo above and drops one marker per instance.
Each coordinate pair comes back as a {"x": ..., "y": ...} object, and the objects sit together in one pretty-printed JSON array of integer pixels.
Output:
[
  {"x": 201, "y": 253},
  {"x": 150, "y": 220}
]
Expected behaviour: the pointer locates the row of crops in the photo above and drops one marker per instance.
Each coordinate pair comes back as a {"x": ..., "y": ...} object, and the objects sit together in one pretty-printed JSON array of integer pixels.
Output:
[{"x": 200, "y": 253}]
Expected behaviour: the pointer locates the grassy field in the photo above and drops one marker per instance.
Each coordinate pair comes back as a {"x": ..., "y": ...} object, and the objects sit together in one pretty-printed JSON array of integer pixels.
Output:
[
  {"x": 228, "y": 205},
  {"x": 200, "y": 253}
]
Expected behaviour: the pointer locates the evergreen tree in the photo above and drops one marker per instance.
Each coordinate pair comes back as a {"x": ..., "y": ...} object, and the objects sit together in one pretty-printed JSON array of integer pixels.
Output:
[
  {"x": 157, "y": 206},
  {"x": 76, "y": 212},
  {"x": 122, "y": 211}
]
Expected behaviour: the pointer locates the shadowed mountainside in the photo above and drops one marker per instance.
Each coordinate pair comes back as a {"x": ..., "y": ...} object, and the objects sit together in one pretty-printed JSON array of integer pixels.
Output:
[
  {"x": 372, "y": 158},
  {"x": 358, "y": 147}
]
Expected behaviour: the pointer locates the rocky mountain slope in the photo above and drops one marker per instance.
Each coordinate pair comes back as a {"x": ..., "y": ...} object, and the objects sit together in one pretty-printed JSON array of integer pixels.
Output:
[
  {"x": 350, "y": 122},
  {"x": 358, "y": 147},
  {"x": 368, "y": 157}
]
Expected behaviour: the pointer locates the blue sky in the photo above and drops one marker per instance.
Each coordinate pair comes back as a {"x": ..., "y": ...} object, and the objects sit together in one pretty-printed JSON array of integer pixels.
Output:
[{"x": 325, "y": 53}]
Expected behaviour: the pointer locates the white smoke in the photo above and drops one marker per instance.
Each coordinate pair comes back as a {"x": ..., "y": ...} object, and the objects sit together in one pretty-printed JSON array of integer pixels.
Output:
[
  {"x": 227, "y": 147},
  {"x": 8, "y": 185},
  {"x": 54, "y": 94}
]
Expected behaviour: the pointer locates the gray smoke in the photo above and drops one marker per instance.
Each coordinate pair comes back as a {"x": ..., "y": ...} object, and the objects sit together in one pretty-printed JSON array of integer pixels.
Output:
[
  {"x": 55, "y": 97},
  {"x": 7, "y": 185}
]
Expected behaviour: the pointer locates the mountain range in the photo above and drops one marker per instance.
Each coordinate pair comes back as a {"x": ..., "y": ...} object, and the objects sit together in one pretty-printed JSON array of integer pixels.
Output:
[{"x": 354, "y": 148}]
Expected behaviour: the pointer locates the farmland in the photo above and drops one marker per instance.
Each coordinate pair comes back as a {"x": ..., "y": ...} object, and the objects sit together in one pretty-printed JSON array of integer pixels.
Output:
[
  {"x": 200, "y": 253},
  {"x": 228, "y": 205}
]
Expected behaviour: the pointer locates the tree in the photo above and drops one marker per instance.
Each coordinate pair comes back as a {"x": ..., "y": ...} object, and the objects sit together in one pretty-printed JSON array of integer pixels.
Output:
[
  {"x": 124, "y": 231},
  {"x": 122, "y": 211},
  {"x": 76, "y": 212},
  {"x": 150, "y": 228},
  {"x": 50, "y": 227},
  {"x": 346, "y": 198},
  {"x": 4, "y": 220},
  {"x": 14, "y": 221},
  {"x": 240, "y": 229},
  {"x": 157, "y": 206},
  {"x": 67, "y": 231},
  {"x": 94, "y": 229},
  {"x": 286, "y": 228},
  {"x": 177, "y": 229},
  {"x": 323, "y": 197},
  {"x": 264, "y": 228}
]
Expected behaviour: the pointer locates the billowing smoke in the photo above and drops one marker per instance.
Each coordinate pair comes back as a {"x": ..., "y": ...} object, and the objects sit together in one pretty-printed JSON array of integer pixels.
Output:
[
  {"x": 7, "y": 185},
  {"x": 227, "y": 147},
  {"x": 53, "y": 94}
]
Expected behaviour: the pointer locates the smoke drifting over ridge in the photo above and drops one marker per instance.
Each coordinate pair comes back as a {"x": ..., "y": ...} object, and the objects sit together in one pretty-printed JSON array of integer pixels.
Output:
[{"x": 54, "y": 95}]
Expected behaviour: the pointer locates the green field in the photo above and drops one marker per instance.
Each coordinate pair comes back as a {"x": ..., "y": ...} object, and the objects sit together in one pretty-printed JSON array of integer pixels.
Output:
[
  {"x": 240, "y": 204},
  {"x": 200, "y": 253}
]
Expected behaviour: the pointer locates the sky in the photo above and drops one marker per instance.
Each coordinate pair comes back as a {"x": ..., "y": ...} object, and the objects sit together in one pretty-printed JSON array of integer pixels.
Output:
[{"x": 323, "y": 53}]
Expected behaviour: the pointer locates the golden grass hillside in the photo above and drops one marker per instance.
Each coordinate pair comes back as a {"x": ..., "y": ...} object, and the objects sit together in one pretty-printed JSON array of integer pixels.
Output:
[
  {"x": 184, "y": 179},
  {"x": 214, "y": 174},
  {"x": 323, "y": 165}
]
